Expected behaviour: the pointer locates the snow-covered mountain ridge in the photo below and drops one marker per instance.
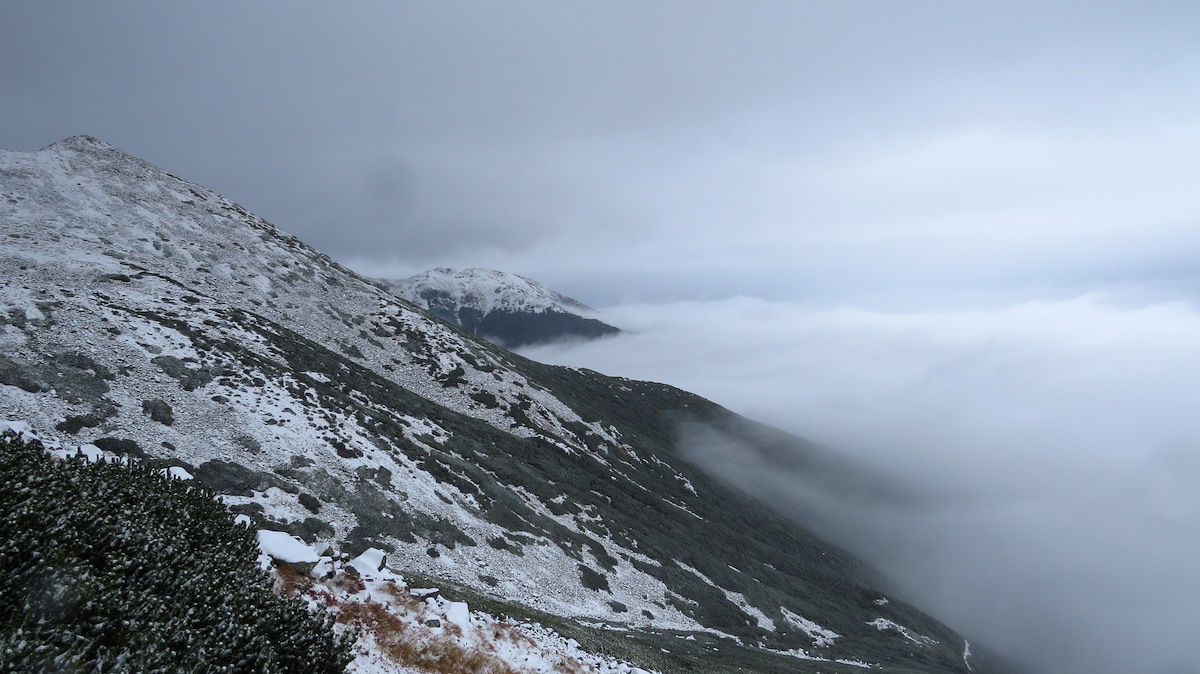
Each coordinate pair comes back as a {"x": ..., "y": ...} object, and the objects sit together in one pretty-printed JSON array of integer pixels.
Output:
[
  {"x": 487, "y": 290},
  {"x": 508, "y": 309},
  {"x": 155, "y": 318}
]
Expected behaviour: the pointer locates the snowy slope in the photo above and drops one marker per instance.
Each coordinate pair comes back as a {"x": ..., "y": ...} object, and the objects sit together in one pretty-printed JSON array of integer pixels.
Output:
[
  {"x": 398, "y": 629},
  {"x": 154, "y": 318},
  {"x": 508, "y": 309},
  {"x": 125, "y": 286}
]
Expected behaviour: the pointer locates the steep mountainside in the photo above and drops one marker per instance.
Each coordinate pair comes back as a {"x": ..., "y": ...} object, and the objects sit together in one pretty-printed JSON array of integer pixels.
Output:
[
  {"x": 504, "y": 308},
  {"x": 157, "y": 319}
]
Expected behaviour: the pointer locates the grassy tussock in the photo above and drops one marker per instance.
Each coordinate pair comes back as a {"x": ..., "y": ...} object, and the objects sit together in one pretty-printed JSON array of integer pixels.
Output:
[{"x": 290, "y": 581}]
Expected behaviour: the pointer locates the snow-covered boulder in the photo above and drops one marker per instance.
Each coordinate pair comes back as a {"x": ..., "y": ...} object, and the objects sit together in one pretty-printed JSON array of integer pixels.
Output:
[{"x": 284, "y": 547}]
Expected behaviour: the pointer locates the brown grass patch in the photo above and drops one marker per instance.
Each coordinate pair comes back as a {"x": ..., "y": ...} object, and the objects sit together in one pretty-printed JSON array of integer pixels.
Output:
[
  {"x": 347, "y": 582},
  {"x": 505, "y": 632},
  {"x": 403, "y": 597},
  {"x": 290, "y": 581},
  {"x": 400, "y": 642}
]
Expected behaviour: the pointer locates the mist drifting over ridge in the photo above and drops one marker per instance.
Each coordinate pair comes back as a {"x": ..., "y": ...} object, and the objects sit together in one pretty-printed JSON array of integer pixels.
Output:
[{"x": 1054, "y": 440}]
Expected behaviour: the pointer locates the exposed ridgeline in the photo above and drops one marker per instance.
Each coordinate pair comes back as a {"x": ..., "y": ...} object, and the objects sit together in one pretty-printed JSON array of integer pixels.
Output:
[
  {"x": 504, "y": 308},
  {"x": 156, "y": 318}
]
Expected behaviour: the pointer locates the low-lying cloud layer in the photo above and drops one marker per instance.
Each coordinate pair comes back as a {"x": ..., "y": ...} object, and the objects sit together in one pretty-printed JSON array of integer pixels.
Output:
[{"x": 1058, "y": 442}]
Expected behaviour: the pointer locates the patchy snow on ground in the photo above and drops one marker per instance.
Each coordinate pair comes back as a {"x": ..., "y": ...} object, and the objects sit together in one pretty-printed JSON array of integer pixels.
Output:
[
  {"x": 736, "y": 598},
  {"x": 821, "y": 636},
  {"x": 404, "y": 630},
  {"x": 883, "y": 624}
]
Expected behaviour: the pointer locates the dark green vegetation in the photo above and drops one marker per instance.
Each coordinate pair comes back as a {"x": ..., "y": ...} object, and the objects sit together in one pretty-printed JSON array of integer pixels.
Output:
[{"x": 116, "y": 568}]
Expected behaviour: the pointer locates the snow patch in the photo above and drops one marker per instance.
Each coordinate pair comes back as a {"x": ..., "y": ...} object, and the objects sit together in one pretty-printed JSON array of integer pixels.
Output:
[
  {"x": 883, "y": 624},
  {"x": 458, "y": 613},
  {"x": 821, "y": 637},
  {"x": 737, "y": 598},
  {"x": 284, "y": 547},
  {"x": 370, "y": 563}
]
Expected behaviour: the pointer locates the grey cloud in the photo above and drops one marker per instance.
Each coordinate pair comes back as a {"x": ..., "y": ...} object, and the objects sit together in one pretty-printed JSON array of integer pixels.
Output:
[{"x": 603, "y": 128}]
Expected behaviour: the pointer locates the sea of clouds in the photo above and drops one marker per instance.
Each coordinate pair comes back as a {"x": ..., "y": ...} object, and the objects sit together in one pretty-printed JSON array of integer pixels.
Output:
[{"x": 1058, "y": 443}]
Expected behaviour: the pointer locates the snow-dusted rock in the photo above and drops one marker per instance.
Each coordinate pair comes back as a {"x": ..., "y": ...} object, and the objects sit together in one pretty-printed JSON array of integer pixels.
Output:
[
  {"x": 458, "y": 613},
  {"x": 370, "y": 562}
]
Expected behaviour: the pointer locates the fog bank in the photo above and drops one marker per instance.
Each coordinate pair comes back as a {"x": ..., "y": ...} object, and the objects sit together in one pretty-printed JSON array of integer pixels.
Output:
[{"x": 1058, "y": 441}]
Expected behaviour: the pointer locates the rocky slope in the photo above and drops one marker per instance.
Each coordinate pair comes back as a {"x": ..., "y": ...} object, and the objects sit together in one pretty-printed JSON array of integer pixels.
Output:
[
  {"x": 157, "y": 319},
  {"x": 503, "y": 308}
]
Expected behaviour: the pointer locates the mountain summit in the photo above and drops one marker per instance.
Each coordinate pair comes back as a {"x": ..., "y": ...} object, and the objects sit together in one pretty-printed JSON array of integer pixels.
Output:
[
  {"x": 156, "y": 319},
  {"x": 504, "y": 308}
]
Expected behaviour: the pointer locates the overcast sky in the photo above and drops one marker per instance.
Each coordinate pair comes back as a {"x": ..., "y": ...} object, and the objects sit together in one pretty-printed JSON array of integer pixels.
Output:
[
  {"x": 955, "y": 239},
  {"x": 657, "y": 150}
]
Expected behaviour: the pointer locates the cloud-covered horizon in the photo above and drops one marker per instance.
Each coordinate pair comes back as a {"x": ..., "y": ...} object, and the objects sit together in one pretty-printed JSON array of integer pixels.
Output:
[
  {"x": 630, "y": 151},
  {"x": 1060, "y": 436}
]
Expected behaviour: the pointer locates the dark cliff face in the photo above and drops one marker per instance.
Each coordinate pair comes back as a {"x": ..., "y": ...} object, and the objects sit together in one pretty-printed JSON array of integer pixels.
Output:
[
  {"x": 516, "y": 329},
  {"x": 167, "y": 323}
]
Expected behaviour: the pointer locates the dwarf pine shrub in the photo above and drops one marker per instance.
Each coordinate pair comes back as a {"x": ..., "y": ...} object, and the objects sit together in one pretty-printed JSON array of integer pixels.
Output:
[{"x": 117, "y": 568}]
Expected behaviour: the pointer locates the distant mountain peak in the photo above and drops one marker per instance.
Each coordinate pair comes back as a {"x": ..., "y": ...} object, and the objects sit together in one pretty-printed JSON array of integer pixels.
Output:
[
  {"x": 81, "y": 143},
  {"x": 503, "y": 307},
  {"x": 489, "y": 290}
]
